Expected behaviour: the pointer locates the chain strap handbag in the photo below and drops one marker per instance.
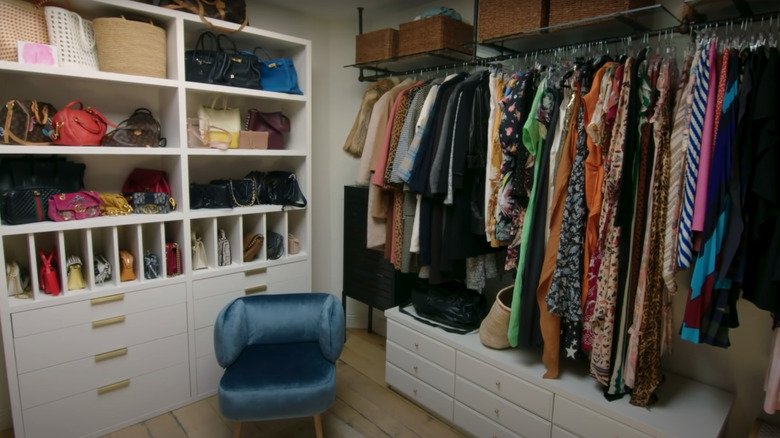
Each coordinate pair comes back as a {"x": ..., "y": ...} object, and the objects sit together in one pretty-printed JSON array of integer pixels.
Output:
[
  {"x": 172, "y": 259},
  {"x": 102, "y": 269},
  {"x": 224, "y": 257},
  {"x": 253, "y": 243}
]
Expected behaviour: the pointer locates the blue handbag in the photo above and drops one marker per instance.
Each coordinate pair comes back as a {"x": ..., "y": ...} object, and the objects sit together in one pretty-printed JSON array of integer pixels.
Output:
[{"x": 278, "y": 74}]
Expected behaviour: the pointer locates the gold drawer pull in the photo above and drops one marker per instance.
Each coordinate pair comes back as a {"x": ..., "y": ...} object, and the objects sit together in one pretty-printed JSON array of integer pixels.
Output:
[
  {"x": 415, "y": 369},
  {"x": 416, "y": 345},
  {"x": 107, "y": 299},
  {"x": 113, "y": 387},
  {"x": 108, "y": 321},
  {"x": 255, "y": 272},
  {"x": 256, "y": 290},
  {"x": 110, "y": 355}
]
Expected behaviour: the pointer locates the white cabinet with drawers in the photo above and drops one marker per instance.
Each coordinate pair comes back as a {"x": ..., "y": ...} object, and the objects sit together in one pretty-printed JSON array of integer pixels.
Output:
[{"x": 501, "y": 393}]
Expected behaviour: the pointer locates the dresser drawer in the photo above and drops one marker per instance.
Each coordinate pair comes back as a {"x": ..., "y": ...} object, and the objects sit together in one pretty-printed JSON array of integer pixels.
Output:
[
  {"x": 589, "y": 424},
  {"x": 478, "y": 425},
  {"x": 60, "y": 381},
  {"x": 213, "y": 286},
  {"x": 207, "y": 309},
  {"x": 95, "y": 337},
  {"x": 524, "y": 394},
  {"x": 501, "y": 411},
  {"x": 425, "y": 395},
  {"x": 207, "y": 374},
  {"x": 557, "y": 432},
  {"x": 430, "y": 349},
  {"x": 420, "y": 368},
  {"x": 99, "y": 409},
  {"x": 68, "y": 315}
]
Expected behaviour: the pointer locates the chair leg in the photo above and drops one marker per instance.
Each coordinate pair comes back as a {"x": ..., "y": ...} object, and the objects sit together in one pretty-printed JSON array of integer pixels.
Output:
[
  {"x": 237, "y": 429},
  {"x": 318, "y": 425}
]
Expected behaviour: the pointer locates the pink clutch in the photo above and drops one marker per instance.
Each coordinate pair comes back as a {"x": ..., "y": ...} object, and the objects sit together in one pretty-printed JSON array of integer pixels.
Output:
[{"x": 73, "y": 206}]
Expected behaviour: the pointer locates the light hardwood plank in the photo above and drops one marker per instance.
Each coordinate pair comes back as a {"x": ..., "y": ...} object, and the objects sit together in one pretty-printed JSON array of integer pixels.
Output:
[
  {"x": 366, "y": 356},
  {"x": 199, "y": 420},
  {"x": 165, "y": 426},
  {"x": 134, "y": 431}
]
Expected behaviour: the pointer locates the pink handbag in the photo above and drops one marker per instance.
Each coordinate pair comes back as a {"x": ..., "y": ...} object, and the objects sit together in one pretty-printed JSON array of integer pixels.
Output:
[{"x": 73, "y": 206}]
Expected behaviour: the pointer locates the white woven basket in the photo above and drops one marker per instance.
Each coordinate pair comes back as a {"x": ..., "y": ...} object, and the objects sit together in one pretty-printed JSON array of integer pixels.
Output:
[
  {"x": 73, "y": 36},
  {"x": 23, "y": 22}
]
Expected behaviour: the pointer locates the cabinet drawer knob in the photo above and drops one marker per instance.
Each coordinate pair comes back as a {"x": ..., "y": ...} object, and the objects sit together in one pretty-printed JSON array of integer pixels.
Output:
[
  {"x": 498, "y": 385},
  {"x": 416, "y": 345},
  {"x": 415, "y": 369},
  {"x": 415, "y": 392},
  {"x": 113, "y": 387},
  {"x": 110, "y": 355},
  {"x": 498, "y": 413},
  {"x": 107, "y": 299},
  {"x": 108, "y": 321}
]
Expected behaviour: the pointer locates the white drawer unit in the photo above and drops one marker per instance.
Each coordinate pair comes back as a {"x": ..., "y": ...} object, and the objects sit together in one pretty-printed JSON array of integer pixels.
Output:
[
  {"x": 501, "y": 393},
  {"x": 420, "y": 368},
  {"x": 425, "y": 346},
  {"x": 207, "y": 309},
  {"x": 421, "y": 393},
  {"x": 478, "y": 425},
  {"x": 518, "y": 391},
  {"x": 500, "y": 410}
]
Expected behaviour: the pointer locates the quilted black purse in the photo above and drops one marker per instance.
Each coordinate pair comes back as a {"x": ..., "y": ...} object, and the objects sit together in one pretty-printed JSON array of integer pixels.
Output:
[
  {"x": 274, "y": 246},
  {"x": 27, "y": 205},
  {"x": 141, "y": 129},
  {"x": 243, "y": 192},
  {"x": 210, "y": 196},
  {"x": 280, "y": 187}
]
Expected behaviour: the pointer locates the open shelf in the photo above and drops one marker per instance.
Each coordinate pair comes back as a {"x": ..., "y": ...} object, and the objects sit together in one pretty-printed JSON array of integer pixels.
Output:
[{"x": 426, "y": 60}]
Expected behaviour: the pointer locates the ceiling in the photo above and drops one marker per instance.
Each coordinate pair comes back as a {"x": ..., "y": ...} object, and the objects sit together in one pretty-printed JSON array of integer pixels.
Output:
[{"x": 342, "y": 8}]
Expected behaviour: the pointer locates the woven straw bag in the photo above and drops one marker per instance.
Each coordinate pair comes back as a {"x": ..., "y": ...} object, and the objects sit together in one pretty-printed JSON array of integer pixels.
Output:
[
  {"x": 493, "y": 329},
  {"x": 23, "y": 22},
  {"x": 130, "y": 47},
  {"x": 74, "y": 38}
]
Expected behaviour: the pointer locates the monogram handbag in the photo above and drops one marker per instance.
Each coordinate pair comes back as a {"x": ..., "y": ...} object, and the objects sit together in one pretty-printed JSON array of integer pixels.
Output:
[
  {"x": 278, "y": 74},
  {"x": 233, "y": 11},
  {"x": 114, "y": 204},
  {"x": 199, "y": 260},
  {"x": 150, "y": 203},
  {"x": 102, "y": 269},
  {"x": 210, "y": 196},
  {"x": 224, "y": 257},
  {"x": 243, "y": 192},
  {"x": 276, "y": 124},
  {"x": 27, "y": 205},
  {"x": 126, "y": 270},
  {"x": 253, "y": 243},
  {"x": 75, "y": 276},
  {"x": 74, "y": 206},
  {"x": 172, "y": 259},
  {"x": 281, "y": 188},
  {"x": 243, "y": 68},
  {"x": 141, "y": 129},
  {"x": 27, "y": 122},
  {"x": 79, "y": 126},
  {"x": 151, "y": 266},
  {"x": 49, "y": 283}
]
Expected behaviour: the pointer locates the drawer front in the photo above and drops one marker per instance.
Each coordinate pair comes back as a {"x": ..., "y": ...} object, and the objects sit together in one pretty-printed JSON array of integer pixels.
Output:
[
  {"x": 61, "y": 381},
  {"x": 208, "y": 372},
  {"x": 299, "y": 283},
  {"x": 430, "y": 349},
  {"x": 286, "y": 272},
  {"x": 68, "y": 315},
  {"x": 90, "y": 412},
  {"x": 88, "y": 339},
  {"x": 207, "y": 309},
  {"x": 501, "y": 411},
  {"x": 209, "y": 287},
  {"x": 557, "y": 432},
  {"x": 204, "y": 341},
  {"x": 589, "y": 424},
  {"x": 478, "y": 425},
  {"x": 518, "y": 391},
  {"x": 425, "y": 395},
  {"x": 420, "y": 368}
]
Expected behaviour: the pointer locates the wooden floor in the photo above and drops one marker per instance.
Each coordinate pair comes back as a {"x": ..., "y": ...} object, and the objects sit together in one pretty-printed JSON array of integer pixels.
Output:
[{"x": 364, "y": 407}]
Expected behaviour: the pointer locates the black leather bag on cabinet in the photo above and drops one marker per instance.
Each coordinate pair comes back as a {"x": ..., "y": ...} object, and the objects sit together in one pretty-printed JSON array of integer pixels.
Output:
[
  {"x": 210, "y": 196},
  {"x": 206, "y": 62},
  {"x": 451, "y": 303}
]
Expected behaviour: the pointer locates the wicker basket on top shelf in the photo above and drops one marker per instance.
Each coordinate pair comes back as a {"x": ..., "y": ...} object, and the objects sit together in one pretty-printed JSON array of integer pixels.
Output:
[
  {"x": 498, "y": 18},
  {"x": 434, "y": 33},
  {"x": 567, "y": 11},
  {"x": 376, "y": 46}
]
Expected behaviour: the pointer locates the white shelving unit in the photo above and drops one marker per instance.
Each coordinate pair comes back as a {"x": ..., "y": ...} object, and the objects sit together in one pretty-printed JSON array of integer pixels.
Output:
[{"x": 91, "y": 361}]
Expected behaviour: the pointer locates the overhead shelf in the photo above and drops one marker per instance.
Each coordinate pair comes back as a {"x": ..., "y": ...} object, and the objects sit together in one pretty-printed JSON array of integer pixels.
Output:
[
  {"x": 419, "y": 61},
  {"x": 715, "y": 10}
]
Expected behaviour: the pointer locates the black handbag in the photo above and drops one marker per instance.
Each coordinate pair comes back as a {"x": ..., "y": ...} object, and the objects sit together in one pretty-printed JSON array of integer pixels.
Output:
[
  {"x": 243, "y": 192},
  {"x": 26, "y": 205},
  {"x": 151, "y": 266},
  {"x": 280, "y": 187},
  {"x": 274, "y": 246},
  {"x": 210, "y": 196},
  {"x": 206, "y": 62},
  {"x": 150, "y": 202},
  {"x": 41, "y": 171},
  {"x": 141, "y": 129},
  {"x": 242, "y": 69},
  {"x": 458, "y": 308}
]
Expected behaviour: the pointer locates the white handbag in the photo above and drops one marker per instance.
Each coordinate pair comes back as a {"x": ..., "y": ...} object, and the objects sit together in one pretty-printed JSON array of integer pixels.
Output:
[
  {"x": 224, "y": 118},
  {"x": 16, "y": 283},
  {"x": 74, "y": 38},
  {"x": 199, "y": 260}
]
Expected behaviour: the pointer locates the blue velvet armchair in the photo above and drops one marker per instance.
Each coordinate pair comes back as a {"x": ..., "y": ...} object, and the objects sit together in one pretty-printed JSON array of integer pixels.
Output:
[{"x": 279, "y": 354}]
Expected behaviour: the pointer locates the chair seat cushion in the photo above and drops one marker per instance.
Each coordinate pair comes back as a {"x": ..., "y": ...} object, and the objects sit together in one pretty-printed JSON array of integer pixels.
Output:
[{"x": 277, "y": 381}]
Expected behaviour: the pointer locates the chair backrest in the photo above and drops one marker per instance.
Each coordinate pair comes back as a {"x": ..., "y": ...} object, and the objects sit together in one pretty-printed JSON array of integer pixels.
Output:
[{"x": 277, "y": 319}]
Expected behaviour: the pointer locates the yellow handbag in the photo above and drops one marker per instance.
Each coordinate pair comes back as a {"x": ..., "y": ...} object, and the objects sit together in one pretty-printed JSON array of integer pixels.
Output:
[
  {"x": 75, "y": 276},
  {"x": 126, "y": 272},
  {"x": 114, "y": 204}
]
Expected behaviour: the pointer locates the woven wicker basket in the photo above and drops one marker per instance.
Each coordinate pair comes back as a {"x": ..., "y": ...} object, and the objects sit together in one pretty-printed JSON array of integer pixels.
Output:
[
  {"x": 23, "y": 22},
  {"x": 434, "y": 33},
  {"x": 493, "y": 329},
  {"x": 498, "y": 18},
  {"x": 566, "y": 11},
  {"x": 376, "y": 46},
  {"x": 131, "y": 47}
]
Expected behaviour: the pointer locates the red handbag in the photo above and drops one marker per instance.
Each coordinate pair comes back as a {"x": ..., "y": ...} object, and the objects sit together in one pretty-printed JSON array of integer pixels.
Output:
[
  {"x": 172, "y": 259},
  {"x": 50, "y": 284},
  {"x": 276, "y": 124},
  {"x": 79, "y": 127},
  {"x": 146, "y": 180}
]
